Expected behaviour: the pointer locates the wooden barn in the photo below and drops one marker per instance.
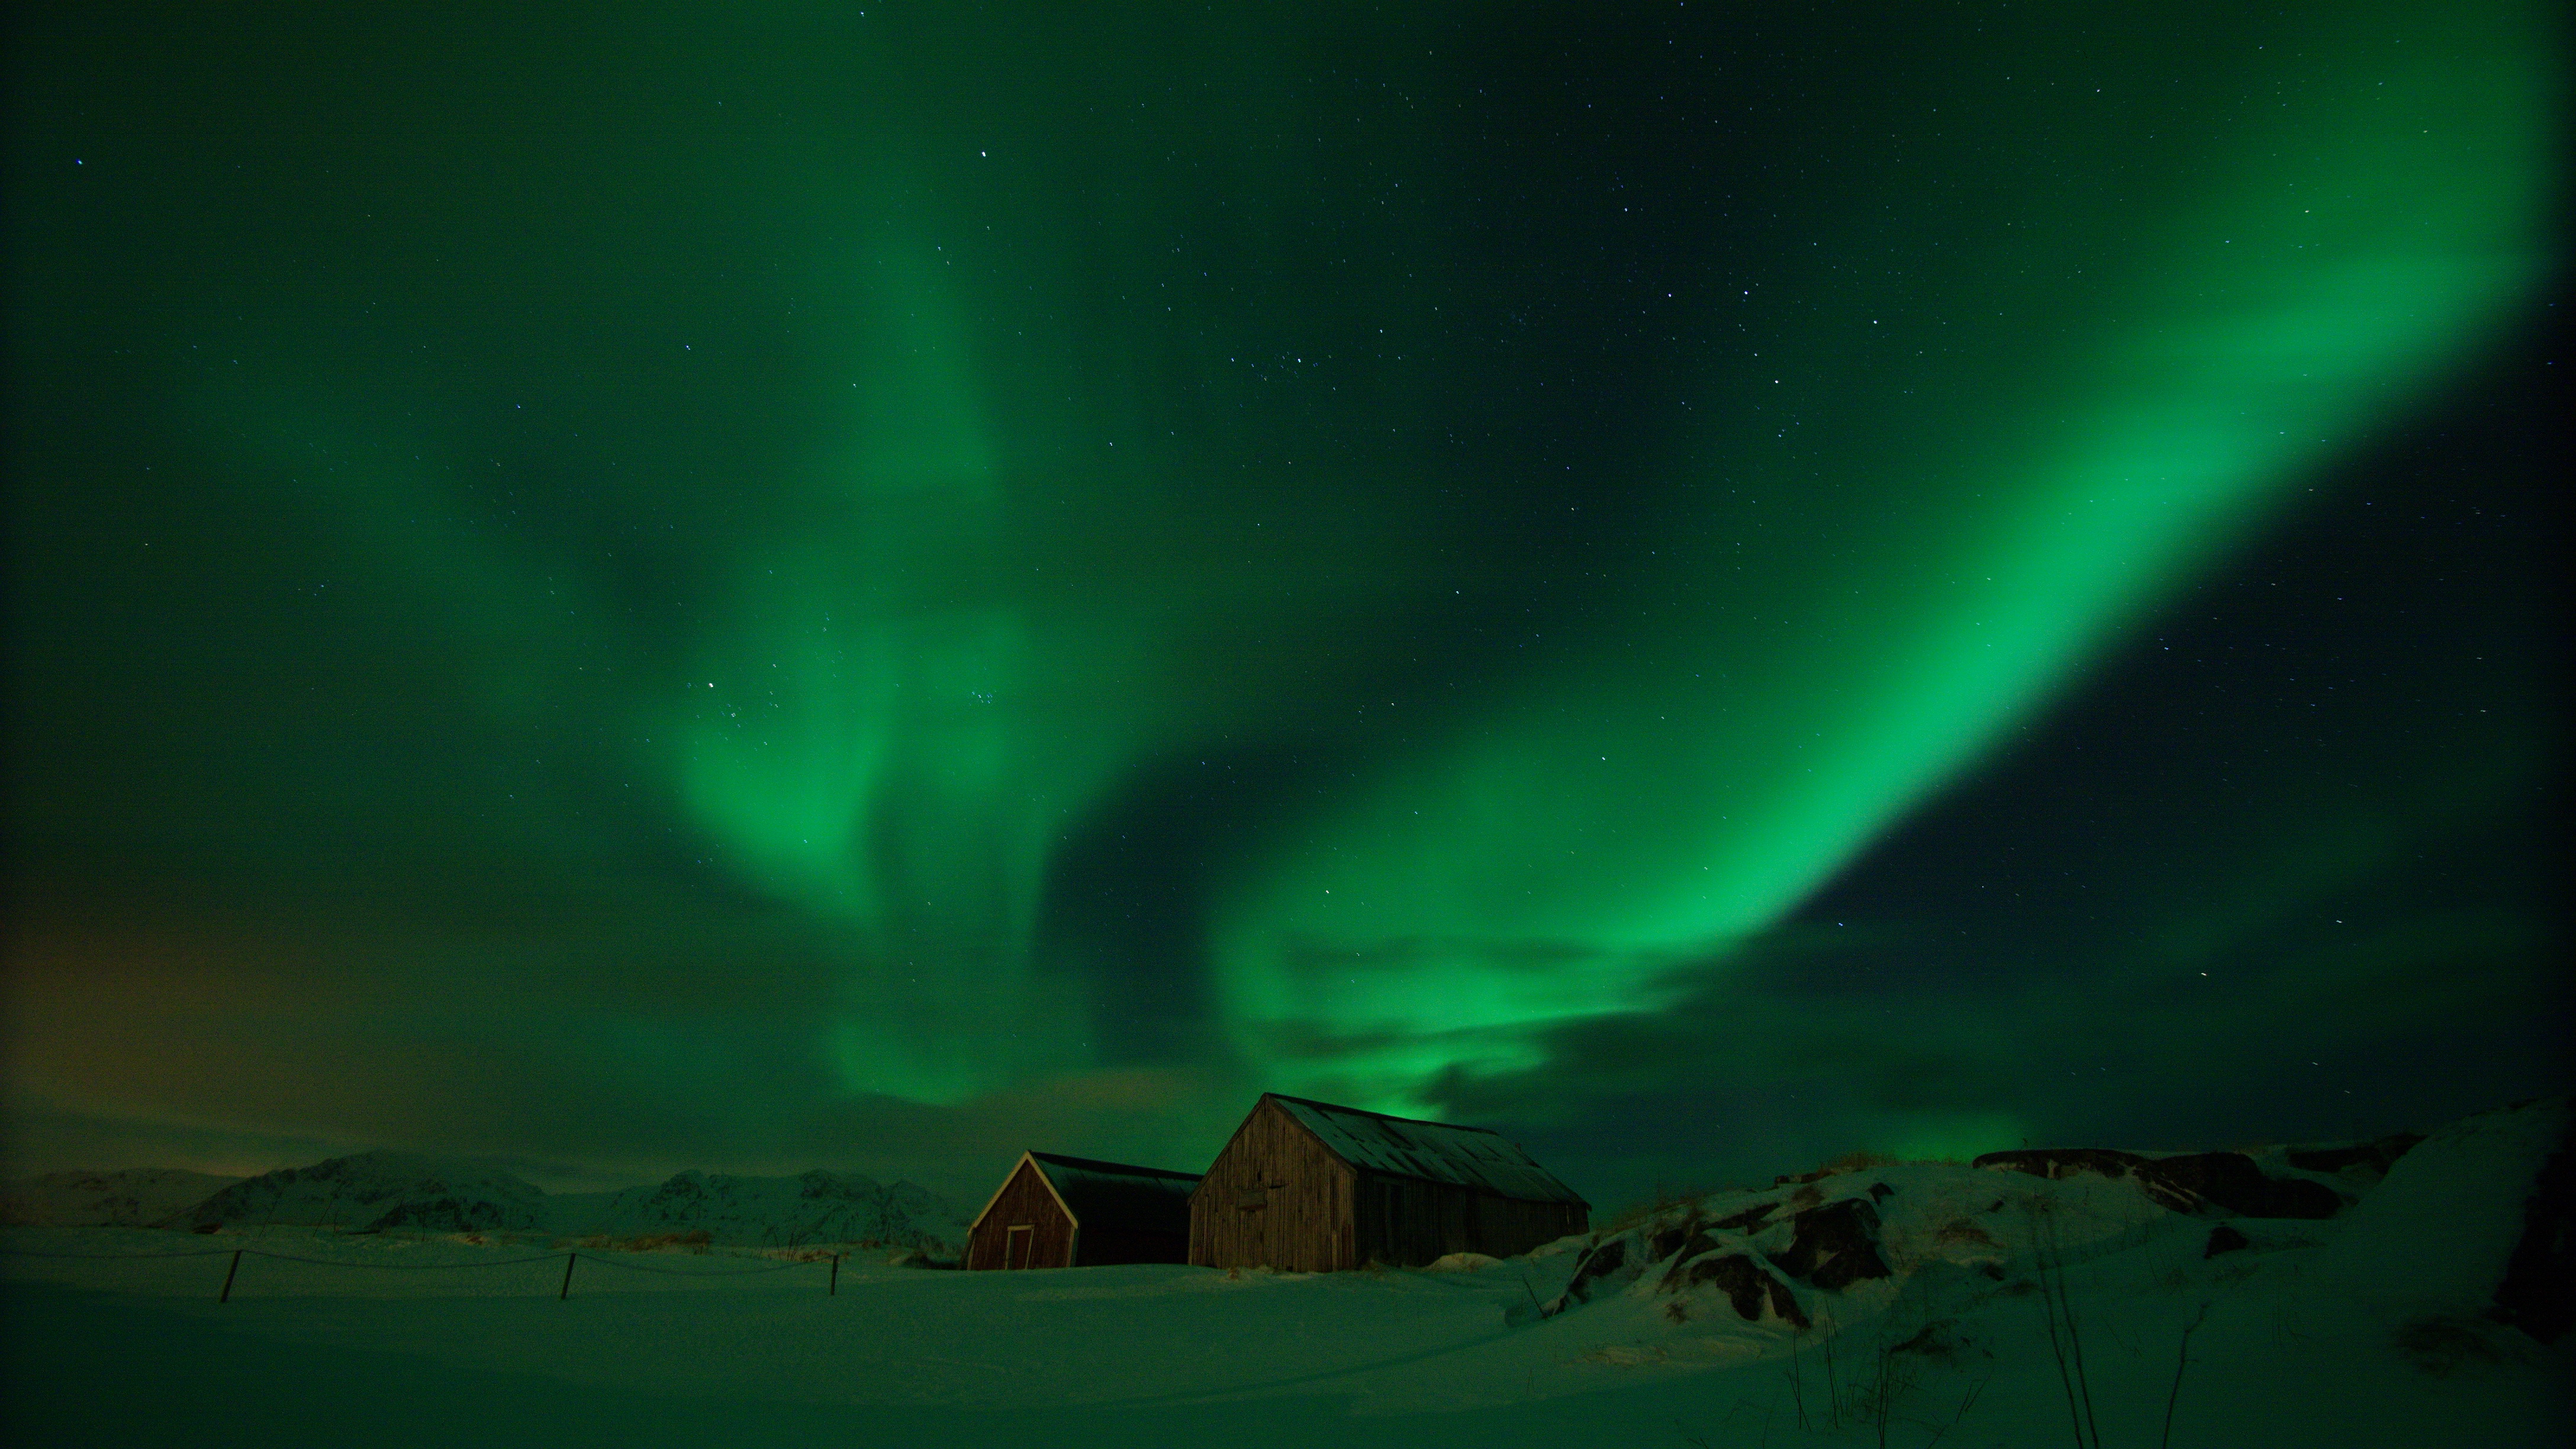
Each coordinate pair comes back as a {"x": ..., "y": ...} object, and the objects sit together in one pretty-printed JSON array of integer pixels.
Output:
[
  {"x": 1311, "y": 1187},
  {"x": 1065, "y": 1212}
]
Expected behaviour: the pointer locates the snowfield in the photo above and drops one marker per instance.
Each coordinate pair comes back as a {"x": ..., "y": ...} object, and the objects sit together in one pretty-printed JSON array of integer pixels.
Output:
[{"x": 2014, "y": 1310}]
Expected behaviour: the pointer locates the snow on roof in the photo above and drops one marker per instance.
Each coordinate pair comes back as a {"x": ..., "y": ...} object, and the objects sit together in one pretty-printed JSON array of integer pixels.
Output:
[
  {"x": 1118, "y": 1194},
  {"x": 1434, "y": 1151}
]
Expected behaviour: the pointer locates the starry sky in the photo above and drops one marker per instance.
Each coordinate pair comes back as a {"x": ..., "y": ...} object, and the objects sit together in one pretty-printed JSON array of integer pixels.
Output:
[{"x": 1706, "y": 585}]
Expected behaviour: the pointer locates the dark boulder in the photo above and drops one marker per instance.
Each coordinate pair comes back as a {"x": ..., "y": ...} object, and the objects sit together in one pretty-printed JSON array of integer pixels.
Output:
[
  {"x": 2224, "y": 1239},
  {"x": 1835, "y": 1245},
  {"x": 1691, "y": 1247},
  {"x": 2057, "y": 1162},
  {"x": 1745, "y": 1284},
  {"x": 1668, "y": 1241},
  {"x": 1602, "y": 1261}
]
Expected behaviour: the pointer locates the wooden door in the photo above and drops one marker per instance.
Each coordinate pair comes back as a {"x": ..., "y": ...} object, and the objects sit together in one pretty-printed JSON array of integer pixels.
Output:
[
  {"x": 1252, "y": 1223},
  {"x": 1016, "y": 1245}
]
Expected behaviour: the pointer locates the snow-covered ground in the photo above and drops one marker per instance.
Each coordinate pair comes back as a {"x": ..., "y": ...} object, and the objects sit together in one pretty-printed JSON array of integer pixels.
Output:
[{"x": 2363, "y": 1328}]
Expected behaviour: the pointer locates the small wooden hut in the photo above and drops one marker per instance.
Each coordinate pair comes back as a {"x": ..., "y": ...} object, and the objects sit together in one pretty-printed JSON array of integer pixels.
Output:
[
  {"x": 1062, "y": 1212},
  {"x": 1312, "y": 1187}
]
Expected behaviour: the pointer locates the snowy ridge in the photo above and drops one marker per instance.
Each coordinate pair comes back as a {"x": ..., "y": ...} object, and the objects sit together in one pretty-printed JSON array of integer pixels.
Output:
[
  {"x": 816, "y": 1207},
  {"x": 375, "y": 1192},
  {"x": 133, "y": 1198}
]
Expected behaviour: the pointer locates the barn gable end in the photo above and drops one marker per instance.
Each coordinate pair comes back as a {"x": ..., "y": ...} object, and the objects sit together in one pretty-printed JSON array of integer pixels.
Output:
[
  {"x": 1275, "y": 1196},
  {"x": 1025, "y": 1225},
  {"x": 1054, "y": 1211},
  {"x": 1123, "y": 1213},
  {"x": 1311, "y": 1186}
]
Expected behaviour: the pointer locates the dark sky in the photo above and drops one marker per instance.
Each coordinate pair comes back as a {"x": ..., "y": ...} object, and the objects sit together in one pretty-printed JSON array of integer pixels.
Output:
[{"x": 1705, "y": 586}]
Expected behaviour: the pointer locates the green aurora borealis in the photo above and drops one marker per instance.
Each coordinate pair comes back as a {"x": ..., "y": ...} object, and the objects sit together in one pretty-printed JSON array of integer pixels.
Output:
[{"x": 884, "y": 587}]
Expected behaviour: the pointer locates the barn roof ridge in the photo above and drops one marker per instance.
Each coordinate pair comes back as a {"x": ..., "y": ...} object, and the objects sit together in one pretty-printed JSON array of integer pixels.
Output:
[
  {"x": 1435, "y": 1153},
  {"x": 1095, "y": 1164},
  {"x": 1382, "y": 1116}
]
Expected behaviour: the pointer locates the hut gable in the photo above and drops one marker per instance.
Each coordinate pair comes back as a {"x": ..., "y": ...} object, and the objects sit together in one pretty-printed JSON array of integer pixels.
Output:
[
  {"x": 1123, "y": 1213},
  {"x": 1055, "y": 1211},
  {"x": 1025, "y": 1225}
]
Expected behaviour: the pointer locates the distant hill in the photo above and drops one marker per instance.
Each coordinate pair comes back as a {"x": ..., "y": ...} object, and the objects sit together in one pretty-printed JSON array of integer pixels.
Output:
[
  {"x": 132, "y": 1198},
  {"x": 377, "y": 1191},
  {"x": 818, "y": 1207}
]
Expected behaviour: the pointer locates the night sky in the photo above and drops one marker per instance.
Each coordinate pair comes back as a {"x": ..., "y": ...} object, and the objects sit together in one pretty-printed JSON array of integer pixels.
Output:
[{"x": 1706, "y": 585}]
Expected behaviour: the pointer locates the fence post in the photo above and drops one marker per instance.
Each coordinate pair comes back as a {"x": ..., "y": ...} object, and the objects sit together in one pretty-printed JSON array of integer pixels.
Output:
[
  {"x": 227, "y": 1295},
  {"x": 835, "y": 1290},
  {"x": 569, "y": 1260}
]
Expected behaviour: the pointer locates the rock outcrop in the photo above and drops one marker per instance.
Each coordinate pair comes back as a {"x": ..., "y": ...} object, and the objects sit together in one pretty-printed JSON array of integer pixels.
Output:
[
  {"x": 2192, "y": 1182},
  {"x": 1835, "y": 1245},
  {"x": 2229, "y": 1182},
  {"x": 1753, "y": 1256},
  {"x": 2056, "y": 1162},
  {"x": 1747, "y": 1284}
]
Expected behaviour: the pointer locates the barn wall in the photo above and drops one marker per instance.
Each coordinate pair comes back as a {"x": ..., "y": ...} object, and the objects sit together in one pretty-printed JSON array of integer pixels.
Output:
[
  {"x": 1405, "y": 1222},
  {"x": 1273, "y": 1198},
  {"x": 1506, "y": 1226},
  {"x": 1024, "y": 1199}
]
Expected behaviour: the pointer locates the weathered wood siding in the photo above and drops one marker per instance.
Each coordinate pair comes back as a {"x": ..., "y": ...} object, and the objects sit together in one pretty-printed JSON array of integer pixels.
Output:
[
  {"x": 1025, "y": 1201},
  {"x": 1509, "y": 1225},
  {"x": 1405, "y": 1222},
  {"x": 1274, "y": 1198}
]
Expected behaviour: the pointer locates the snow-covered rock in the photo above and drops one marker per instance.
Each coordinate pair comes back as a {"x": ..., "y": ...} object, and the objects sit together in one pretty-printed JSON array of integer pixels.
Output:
[
  {"x": 2437, "y": 1236},
  {"x": 1851, "y": 1240},
  {"x": 131, "y": 1198}
]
